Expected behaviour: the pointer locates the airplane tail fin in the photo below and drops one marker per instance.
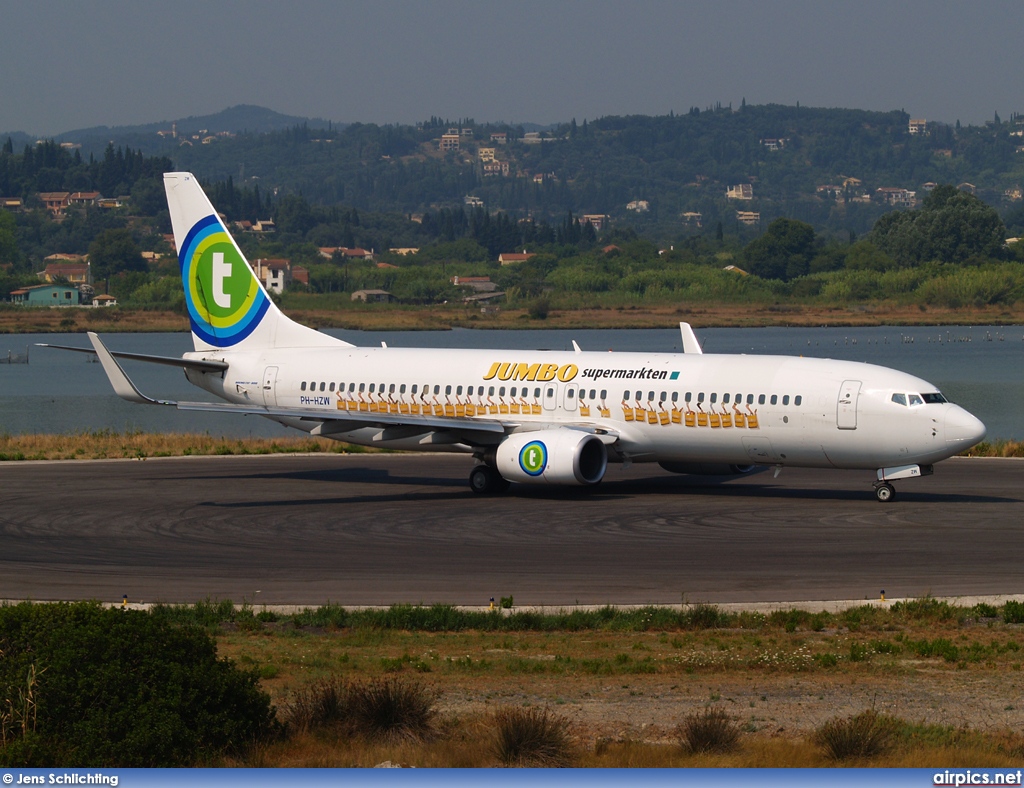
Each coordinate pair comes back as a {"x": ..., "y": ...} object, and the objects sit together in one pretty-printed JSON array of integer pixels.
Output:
[{"x": 228, "y": 306}]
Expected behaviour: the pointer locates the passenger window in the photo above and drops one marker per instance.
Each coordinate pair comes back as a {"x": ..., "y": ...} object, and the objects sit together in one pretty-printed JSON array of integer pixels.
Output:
[
  {"x": 750, "y": 399},
  {"x": 689, "y": 396},
  {"x": 650, "y": 396},
  {"x": 604, "y": 393},
  {"x": 536, "y": 393},
  {"x": 570, "y": 393},
  {"x": 675, "y": 396},
  {"x": 785, "y": 399},
  {"x": 714, "y": 398},
  {"x": 362, "y": 387},
  {"x": 775, "y": 399},
  {"x": 663, "y": 397},
  {"x": 725, "y": 399},
  {"x": 447, "y": 390},
  {"x": 625, "y": 395},
  {"x": 351, "y": 386},
  {"x": 391, "y": 389},
  {"x": 739, "y": 399},
  {"x": 490, "y": 391},
  {"x": 401, "y": 389},
  {"x": 700, "y": 397},
  {"x": 414, "y": 387},
  {"x": 331, "y": 387},
  {"x": 501, "y": 391},
  {"x": 551, "y": 392},
  {"x": 437, "y": 389},
  {"x": 760, "y": 399},
  {"x": 371, "y": 387},
  {"x": 798, "y": 400},
  {"x": 303, "y": 386},
  {"x": 323, "y": 385}
]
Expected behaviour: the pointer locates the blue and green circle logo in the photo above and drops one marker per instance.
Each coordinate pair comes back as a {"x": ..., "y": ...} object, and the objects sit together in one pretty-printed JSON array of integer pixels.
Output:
[
  {"x": 225, "y": 301},
  {"x": 533, "y": 458}
]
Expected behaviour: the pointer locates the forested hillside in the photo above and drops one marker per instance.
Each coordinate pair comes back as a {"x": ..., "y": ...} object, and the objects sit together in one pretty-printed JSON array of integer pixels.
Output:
[{"x": 830, "y": 205}]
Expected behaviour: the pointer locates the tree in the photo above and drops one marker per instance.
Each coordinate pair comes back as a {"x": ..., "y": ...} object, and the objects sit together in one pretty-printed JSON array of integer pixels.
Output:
[
  {"x": 950, "y": 227},
  {"x": 783, "y": 252},
  {"x": 113, "y": 252},
  {"x": 8, "y": 239}
]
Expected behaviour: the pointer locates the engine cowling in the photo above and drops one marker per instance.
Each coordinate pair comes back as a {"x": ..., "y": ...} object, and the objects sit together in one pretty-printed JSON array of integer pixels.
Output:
[
  {"x": 560, "y": 456},
  {"x": 708, "y": 468}
]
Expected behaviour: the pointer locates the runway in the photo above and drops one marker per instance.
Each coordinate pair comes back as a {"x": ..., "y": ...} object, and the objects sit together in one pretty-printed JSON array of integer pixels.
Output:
[{"x": 380, "y": 529}]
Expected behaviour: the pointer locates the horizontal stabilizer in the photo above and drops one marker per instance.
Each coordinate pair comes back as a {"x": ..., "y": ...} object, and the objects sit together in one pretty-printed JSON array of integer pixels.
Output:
[{"x": 202, "y": 365}]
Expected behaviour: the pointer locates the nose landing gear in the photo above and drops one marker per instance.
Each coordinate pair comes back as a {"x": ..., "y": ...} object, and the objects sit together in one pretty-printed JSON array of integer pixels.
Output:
[{"x": 884, "y": 491}]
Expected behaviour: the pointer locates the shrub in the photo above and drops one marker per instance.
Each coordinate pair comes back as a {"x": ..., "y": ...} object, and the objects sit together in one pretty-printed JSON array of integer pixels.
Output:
[
  {"x": 320, "y": 705},
  {"x": 391, "y": 708},
  {"x": 539, "y": 309},
  {"x": 121, "y": 688},
  {"x": 1013, "y": 612},
  {"x": 708, "y": 730},
  {"x": 863, "y": 735},
  {"x": 702, "y": 617},
  {"x": 531, "y": 737}
]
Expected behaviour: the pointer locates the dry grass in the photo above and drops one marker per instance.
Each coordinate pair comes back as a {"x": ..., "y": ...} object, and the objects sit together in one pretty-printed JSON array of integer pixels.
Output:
[
  {"x": 104, "y": 444},
  {"x": 998, "y": 448},
  {"x": 708, "y": 730},
  {"x": 863, "y": 736},
  {"x": 623, "y": 688},
  {"x": 531, "y": 737}
]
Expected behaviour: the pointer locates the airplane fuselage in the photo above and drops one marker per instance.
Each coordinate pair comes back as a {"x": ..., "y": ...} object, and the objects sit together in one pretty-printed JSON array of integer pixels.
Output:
[{"x": 663, "y": 407}]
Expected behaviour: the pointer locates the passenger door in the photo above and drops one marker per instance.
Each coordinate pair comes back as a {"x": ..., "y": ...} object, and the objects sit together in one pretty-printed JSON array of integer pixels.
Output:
[{"x": 846, "y": 409}]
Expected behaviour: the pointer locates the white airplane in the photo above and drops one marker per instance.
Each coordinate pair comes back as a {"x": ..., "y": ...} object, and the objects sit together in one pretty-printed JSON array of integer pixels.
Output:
[{"x": 538, "y": 417}]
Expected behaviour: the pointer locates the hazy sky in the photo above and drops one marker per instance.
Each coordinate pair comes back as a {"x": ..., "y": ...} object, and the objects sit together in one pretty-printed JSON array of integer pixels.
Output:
[{"x": 67, "y": 65}]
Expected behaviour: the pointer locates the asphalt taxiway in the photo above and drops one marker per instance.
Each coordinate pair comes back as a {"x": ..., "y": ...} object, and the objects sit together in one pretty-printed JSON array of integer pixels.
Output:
[{"x": 380, "y": 529}]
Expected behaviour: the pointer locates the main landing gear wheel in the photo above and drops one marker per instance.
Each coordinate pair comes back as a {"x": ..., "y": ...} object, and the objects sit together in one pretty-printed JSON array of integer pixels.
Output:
[
  {"x": 885, "y": 492},
  {"x": 484, "y": 480}
]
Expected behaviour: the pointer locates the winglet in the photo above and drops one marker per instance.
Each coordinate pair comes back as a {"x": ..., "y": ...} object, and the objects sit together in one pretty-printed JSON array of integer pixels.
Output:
[
  {"x": 690, "y": 343},
  {"x": 123, "y": 387}
]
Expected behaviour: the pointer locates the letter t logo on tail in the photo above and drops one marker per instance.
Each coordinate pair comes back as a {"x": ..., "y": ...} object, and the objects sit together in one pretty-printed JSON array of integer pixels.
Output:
[{"x": 221, "y": 271}]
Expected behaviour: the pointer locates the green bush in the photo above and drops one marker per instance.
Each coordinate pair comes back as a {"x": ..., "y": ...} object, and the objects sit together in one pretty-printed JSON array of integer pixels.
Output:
[
  {"x": 95, "y": 686},
  {"x": 1013, "y": 612}
]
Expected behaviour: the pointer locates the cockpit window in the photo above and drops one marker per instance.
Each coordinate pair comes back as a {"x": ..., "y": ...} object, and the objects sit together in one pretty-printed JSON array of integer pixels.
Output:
[
  {"x": 899, "y": 399},
  {"x": 933, "y": 398},
  {"x": 915, "y": 399}
]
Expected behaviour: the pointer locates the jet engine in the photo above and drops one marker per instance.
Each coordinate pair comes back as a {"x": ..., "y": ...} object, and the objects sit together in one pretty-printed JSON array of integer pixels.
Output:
[{"x": 559, "y": 456}]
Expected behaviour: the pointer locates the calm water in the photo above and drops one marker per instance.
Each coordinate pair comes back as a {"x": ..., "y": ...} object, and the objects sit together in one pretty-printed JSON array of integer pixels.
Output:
[{"x": 981, "y": 368}]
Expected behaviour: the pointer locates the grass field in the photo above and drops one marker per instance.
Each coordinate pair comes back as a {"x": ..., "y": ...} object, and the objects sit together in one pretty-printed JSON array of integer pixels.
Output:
[{"x": 943, "y": 682}]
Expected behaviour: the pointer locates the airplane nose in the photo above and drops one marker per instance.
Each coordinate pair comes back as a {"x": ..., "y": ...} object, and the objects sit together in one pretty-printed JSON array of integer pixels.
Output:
[{"x": 962, "y": 428}]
